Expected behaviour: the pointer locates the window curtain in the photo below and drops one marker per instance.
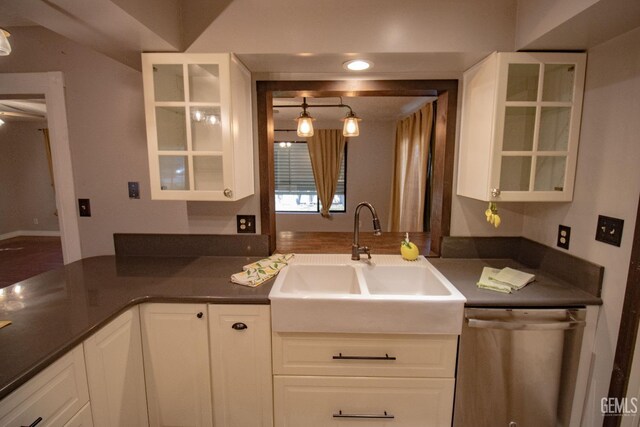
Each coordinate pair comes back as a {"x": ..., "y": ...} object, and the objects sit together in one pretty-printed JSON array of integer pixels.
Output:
[
  {"x": 408, "y": 189},
  {"x": 326, "y": 148}
]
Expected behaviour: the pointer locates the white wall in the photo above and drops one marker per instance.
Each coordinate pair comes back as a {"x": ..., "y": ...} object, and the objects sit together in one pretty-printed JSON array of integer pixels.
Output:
[
  {"x": 25, "y": 184},
  {"x": 108, "y": 145},
  {"x": 369, "y": 171},
  {"x": 607, "y": 183}
]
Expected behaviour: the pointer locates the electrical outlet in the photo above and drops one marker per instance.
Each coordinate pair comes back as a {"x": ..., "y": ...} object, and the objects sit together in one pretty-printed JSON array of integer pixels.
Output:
[
  {"x": 134, "y": 190},
  {"x": 564, "y": 236},
  {"x": 609, "y": 230},
  {"x": 246, "y": 223},
  {"x": 85, "y": 207}
]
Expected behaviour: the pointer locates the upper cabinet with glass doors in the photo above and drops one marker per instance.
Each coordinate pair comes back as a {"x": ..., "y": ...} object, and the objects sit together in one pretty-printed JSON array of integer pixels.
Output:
[
  {"x": 520, "y": 127},
  {"x": 199, "y": 130}
]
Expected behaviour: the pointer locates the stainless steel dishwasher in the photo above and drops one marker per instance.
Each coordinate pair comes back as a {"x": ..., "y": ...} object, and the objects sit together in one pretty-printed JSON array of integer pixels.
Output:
[{"x": 517, "y": 367}]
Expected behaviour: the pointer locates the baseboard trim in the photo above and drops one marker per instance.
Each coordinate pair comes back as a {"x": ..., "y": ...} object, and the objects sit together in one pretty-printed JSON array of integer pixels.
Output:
[{"x": 39, "y": 233}]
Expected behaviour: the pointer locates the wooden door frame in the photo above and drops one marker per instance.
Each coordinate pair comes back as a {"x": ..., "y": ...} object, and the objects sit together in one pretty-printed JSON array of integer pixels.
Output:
[
  {"x": 443, "y": 148},
  {"x": 628, "y": 331}
]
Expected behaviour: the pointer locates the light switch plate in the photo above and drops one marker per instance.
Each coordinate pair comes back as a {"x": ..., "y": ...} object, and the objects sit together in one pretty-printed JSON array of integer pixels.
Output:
[
  {"x": 609, "y": 230},
  {"x": 84, "y": 207},
  {"x": 246, "y": 223},
  {"x": 134, "y": 190}
]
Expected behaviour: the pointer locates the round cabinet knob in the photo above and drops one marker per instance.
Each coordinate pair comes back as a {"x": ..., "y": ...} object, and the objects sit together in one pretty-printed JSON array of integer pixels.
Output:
[
  {"x": 239, "y": 326},
  {"x": 199, "y": 315},
  {"x": 228, "y": 193},
  {"x": 495, "y": 192}
]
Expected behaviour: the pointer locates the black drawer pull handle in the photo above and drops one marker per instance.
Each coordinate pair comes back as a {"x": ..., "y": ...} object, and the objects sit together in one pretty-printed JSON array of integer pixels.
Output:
[
  {"x": 35, "y": 423},
  {"x": 199, "y": 315},
  {"x": 239, "y": 326},
  {"x": 385, "y": 357},
  {"x": 385, "y": 416}
]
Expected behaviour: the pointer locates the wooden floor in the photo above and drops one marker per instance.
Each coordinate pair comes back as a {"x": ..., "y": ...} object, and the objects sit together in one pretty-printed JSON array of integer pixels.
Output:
[{"x": 24, "y": 257}]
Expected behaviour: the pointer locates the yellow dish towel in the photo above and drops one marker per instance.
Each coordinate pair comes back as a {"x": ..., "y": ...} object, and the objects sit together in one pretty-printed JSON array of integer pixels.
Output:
[{"x": 259, "y": 272}]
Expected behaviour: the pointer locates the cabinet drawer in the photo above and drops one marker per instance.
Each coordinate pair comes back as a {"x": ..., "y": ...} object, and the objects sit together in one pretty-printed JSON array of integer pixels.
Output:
[
  {"x": 332, "y": 401},
  {"x": 364, "y": 355},
  {"x": 55, "y": 394},
  {"x": 82, "y": 418}
]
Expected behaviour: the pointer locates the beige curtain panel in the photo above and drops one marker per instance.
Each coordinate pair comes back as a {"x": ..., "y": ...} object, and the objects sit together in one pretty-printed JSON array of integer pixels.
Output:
[
  {"x": 326, "y": 148},
  {"x": 413, "y": 138}
]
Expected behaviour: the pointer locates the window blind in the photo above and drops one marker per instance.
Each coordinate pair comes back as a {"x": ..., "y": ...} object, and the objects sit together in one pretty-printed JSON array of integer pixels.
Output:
[{"x": 293, "y": 172}]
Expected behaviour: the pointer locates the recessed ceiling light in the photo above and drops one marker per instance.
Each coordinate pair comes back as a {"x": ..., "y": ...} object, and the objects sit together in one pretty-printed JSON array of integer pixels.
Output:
[{"x": 357, "y": 65}]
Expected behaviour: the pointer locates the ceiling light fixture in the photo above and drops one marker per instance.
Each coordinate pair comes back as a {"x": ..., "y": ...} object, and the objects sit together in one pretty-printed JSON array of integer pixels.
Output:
[
  {"x": 5, "y": 47},
  {"x": 305, "y": 121},
  {"x": 1, "y": 122},
  {"x": 357, "y": 65}
]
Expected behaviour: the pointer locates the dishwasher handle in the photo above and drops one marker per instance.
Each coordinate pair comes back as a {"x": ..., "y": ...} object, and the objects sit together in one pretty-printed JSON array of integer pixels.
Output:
[{"x": 511, "y": 325}]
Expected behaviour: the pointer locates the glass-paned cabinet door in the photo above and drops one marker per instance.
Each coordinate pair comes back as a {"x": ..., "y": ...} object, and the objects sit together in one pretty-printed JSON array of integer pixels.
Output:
[
  {"x": 189, "y": 111},
  {"x": 539, "y": 113}
]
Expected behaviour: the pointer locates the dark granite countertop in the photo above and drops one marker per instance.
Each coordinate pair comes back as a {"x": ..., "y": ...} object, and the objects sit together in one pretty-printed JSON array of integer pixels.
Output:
[
  {"x": 57, "y": 310},
  {"x": 546, "y": 291}
]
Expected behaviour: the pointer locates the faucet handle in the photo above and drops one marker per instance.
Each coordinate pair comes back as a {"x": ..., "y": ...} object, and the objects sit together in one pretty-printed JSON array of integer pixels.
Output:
[{"x": 366, "y": 250}]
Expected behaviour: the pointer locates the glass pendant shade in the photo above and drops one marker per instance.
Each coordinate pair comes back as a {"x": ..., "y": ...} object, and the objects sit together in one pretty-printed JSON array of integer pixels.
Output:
[
  {"x": 1, "y": 122},
  {"x": 351, "y": 127},
  {"x": 5, "y": 47},
  {"x": 305, "y": 125}
]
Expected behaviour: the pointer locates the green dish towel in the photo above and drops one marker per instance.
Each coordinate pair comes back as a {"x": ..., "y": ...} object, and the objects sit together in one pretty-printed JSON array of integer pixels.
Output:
[
  {"x": 504, "y": 280},
  {"x": 488, "y": 282}
]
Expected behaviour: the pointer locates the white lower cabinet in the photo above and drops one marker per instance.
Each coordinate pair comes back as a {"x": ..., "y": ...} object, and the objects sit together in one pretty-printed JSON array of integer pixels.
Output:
[
  {"x": 176, "y": 361},
  {"x": 240, "y": 343},
  {"x": 333, "y": 401},
  {"x": 83, "y": 418},
  {"x": 364, "y": 379},
  {"x": 115, "y": 373},
  {"x": 55, "y": 395}
]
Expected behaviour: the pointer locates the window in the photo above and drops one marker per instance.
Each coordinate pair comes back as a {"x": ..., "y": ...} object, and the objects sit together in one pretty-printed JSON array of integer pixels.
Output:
[{"x": 295, "y": 186}]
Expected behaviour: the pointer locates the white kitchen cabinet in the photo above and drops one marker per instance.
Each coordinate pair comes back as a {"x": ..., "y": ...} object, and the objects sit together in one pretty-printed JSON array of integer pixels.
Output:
[
  {"x": 240, "y": 343},
  {"x": 333, "y": 401},
  {"x": 176, "y": 362},
  {"x": 331, "y": 379},
  {"x": 520, "y": 127},
  {"x": 83, "y": 418},
  {"x": 56, "y": 394},
  {"x": 199, "y": 128},
  {"x": 115, "y": 373}
]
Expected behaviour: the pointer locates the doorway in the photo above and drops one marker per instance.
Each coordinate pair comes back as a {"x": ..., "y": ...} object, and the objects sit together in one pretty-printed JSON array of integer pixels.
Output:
[
  {"x": 443, "y": 141},
  {"x": 50, "y": 87}
]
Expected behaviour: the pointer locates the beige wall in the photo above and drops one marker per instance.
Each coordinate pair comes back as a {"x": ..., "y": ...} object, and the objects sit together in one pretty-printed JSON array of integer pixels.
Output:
[
  {"x": 108, "y": 144},
  {"x": 336, "y": 26},
  {"x": 369, "y": 170},
  {"x": 607, "y": 183},
  {"x": 26, "y": 194}
]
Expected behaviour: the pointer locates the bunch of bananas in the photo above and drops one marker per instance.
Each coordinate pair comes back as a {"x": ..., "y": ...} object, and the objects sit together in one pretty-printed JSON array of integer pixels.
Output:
[{"x": 492, "y": 214}]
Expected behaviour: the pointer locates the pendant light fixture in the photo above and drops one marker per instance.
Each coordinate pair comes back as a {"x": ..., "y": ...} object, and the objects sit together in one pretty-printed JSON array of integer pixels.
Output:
[
  {"x": 305, "y": 121},
  {"x": 5, "y": 47},
  {"x": 351, "y": 127}
]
